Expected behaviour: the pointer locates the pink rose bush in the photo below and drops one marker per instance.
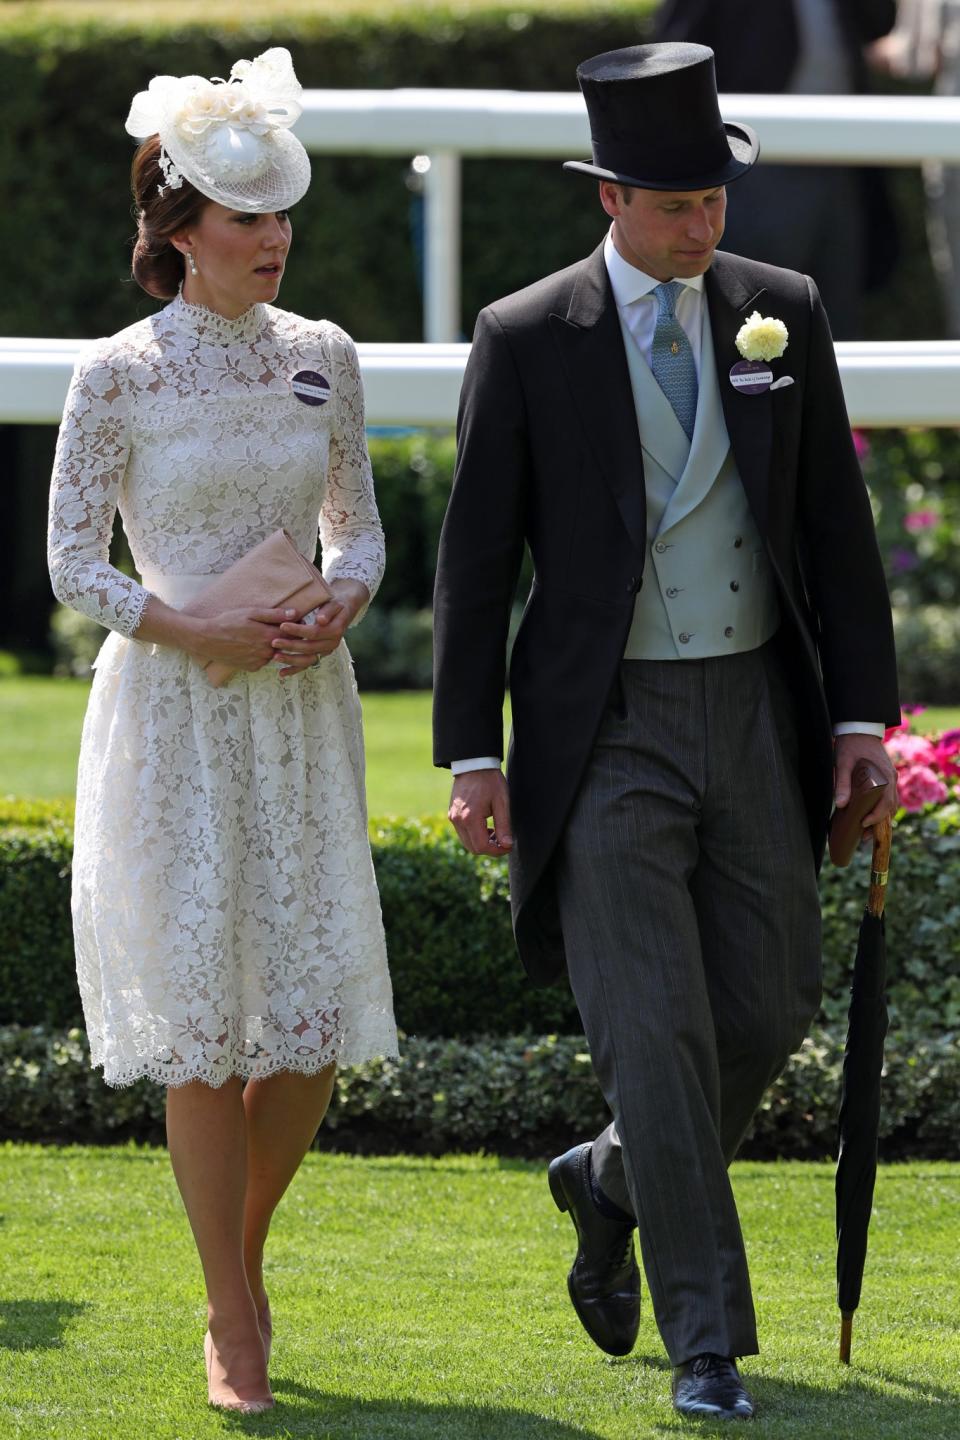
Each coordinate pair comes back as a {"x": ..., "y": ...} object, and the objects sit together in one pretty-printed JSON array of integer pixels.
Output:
[{"x": 928, "y": 766}]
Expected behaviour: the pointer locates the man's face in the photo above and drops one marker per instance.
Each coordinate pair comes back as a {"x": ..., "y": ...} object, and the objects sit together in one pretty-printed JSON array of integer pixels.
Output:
[{"x": 669, "y": 234}]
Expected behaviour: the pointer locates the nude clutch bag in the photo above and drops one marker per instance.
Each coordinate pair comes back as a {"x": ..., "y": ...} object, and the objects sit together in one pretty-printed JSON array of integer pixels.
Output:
[
  {"x": 272, "y": 574},
  {"x": 868, "y": 784}
]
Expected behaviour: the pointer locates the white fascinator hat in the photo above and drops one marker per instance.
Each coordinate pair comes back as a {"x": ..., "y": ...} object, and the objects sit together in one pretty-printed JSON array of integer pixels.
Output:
[{"x": 231, "y": 138}]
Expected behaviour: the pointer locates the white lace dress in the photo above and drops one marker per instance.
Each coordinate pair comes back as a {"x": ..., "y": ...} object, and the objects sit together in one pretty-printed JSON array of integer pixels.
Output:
[{"x": 226, "y": 915}]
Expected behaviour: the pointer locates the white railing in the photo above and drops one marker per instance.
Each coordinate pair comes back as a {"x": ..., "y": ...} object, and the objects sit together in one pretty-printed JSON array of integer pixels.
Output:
[
  {"x": 443, "y": 125},
  {"x": 885, "y": 383}
]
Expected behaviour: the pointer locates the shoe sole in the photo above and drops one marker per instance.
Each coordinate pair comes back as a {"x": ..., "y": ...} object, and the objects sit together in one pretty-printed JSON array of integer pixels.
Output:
[
  {"x": 562, "y": 1202},
  {"x": 706, "y": 1412}
]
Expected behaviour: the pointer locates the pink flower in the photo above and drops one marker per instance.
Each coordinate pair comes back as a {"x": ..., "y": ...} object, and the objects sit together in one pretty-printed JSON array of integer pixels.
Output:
[
  {"x": 918, "y": 786},
  {"x": 920, "y": 520},
  {"x": 906, "y": 749},
  {"x": 947, "y": 751},
  {"x": 861, "y": 444}
]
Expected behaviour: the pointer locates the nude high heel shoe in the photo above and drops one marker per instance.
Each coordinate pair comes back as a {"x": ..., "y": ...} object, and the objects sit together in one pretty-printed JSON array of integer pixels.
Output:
[{"x": 221, "y": 1393}]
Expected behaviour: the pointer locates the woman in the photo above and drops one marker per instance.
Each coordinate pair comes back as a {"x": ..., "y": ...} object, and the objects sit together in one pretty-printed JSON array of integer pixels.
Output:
[{"x": 228, "y": 933}]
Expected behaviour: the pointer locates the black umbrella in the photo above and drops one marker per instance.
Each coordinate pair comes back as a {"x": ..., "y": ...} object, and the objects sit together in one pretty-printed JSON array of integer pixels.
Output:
[{"x": 859, "y": 1119}]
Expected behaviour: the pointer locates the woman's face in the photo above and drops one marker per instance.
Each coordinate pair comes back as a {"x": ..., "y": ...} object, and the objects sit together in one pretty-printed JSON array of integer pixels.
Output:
[{"x": 239, "y": 257}]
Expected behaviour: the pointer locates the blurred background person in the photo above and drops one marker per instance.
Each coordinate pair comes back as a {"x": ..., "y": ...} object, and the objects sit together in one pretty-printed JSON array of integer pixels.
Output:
[
  {"x": 829, "y": 221},
  {"x": 926, "y": 46}
]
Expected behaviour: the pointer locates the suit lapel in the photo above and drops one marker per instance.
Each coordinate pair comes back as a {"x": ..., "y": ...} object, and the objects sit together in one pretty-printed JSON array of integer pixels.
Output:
[
  {"x": 749, "y": 417},
  {"x": 592, "y": 354}
]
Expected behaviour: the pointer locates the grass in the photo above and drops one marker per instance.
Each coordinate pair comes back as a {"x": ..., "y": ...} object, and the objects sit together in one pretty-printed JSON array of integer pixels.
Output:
[
  {"x": 425, "y": 1299},
  {"x": 41, "y": 719}
]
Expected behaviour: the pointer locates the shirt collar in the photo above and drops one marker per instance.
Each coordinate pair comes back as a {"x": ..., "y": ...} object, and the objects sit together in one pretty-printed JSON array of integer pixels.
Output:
[{"x": 627, "y": 282}]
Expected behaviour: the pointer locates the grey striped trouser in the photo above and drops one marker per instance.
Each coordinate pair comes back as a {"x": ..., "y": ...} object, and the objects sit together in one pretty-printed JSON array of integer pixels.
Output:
[{"x": 690, "y": 917}]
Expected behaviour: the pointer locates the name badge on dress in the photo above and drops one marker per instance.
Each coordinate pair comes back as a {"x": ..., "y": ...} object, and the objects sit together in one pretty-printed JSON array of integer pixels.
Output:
[{"x": 312, "y": 388}]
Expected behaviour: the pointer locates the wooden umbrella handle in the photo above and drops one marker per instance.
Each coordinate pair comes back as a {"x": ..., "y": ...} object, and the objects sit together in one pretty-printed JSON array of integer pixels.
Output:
[{"x": 880, "y": 867}]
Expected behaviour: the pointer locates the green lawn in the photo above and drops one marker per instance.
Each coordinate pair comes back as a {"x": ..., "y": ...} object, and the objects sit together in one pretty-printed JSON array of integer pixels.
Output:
[
  {"x": 425, "y": 1299},
  {"x": 40, "y": 721}
]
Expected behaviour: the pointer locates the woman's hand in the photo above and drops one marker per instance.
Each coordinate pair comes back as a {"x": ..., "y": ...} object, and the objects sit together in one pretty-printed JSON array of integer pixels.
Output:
[
  {"x": 243, "y": 639},
  {"x": 299, "y": 646}
]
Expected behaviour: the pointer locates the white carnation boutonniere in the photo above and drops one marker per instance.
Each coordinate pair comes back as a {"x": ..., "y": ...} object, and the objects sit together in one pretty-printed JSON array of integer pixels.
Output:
[{"x": 762, "y": 337}]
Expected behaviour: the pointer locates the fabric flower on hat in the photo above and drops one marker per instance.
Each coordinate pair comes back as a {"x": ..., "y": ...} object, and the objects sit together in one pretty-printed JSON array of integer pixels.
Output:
[
  {"x": 762, "y": 337},
  {"x": 230, "y": 138}
]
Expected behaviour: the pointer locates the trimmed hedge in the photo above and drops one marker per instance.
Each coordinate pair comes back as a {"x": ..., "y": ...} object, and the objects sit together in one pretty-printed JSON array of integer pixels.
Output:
[
  {"x": 65, "y": 90},
  {"x": 449, "y": 940},
  {"x": 521, "y": 1095}
]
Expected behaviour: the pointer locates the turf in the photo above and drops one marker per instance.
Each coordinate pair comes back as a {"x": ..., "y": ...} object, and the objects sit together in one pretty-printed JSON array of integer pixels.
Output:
[
  {"x": 426, "y": 1298},
  {"x": 40, "y": 722}
]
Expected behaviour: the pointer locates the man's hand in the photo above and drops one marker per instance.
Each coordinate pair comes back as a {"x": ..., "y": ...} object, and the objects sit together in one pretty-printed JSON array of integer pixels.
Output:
[
  {"x": 476, "y": 797},
  {"x": 847, "y": 750}
]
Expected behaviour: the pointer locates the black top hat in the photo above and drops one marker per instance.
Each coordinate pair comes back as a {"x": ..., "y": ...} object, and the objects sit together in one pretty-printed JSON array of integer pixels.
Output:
[{"x": 655, "y": 120}]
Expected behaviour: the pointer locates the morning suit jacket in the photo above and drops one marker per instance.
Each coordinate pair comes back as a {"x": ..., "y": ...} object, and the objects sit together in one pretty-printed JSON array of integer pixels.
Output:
[{"x": 549, "y": 455}]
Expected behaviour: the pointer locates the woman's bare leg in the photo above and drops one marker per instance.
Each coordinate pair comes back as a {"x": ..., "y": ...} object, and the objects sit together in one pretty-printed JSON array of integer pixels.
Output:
[
  {"x": 207, "y": 1139},
  {"x": 283, "y": 1113}
]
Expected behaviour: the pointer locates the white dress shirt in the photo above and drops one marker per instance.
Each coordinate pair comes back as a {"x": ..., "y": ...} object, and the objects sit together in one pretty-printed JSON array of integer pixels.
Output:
[{"x": 637, "y": 304}]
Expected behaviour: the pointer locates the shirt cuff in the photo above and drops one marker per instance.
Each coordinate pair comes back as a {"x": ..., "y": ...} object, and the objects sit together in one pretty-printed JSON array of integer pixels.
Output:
[
  {"x": 860, "y": 727},
  {"x": 485, "y": 762}
]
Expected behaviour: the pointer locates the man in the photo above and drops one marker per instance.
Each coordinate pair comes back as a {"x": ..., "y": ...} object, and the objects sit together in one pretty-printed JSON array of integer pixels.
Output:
[
  {"x": 708, "y": 604},
  {"x": 835, "y": 222}
]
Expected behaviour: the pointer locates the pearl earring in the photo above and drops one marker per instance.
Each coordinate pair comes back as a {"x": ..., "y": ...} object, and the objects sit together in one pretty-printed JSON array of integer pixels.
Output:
[{"x": 192, "y": 263}]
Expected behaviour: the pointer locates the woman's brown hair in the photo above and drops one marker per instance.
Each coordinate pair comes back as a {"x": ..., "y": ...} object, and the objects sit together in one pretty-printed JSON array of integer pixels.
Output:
[{"x": 157, "y": 264}]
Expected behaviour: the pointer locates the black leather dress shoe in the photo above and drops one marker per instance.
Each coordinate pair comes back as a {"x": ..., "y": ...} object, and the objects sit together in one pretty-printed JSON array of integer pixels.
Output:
[
  {"x": 604, "y": 1282},
  {"x": 710, "y": 1385}
]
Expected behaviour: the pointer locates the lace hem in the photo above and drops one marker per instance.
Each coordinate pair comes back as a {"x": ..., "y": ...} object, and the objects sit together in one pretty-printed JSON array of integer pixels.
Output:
[{"x": 174, "y": 1077}]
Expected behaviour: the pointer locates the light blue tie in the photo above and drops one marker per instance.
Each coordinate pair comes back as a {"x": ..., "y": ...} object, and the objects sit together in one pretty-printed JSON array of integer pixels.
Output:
[{"x": 671, "y": 358}]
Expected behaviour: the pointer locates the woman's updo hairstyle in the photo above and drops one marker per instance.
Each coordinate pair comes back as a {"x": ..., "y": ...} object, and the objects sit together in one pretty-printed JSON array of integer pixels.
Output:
[{"x": 157, "y": 264}]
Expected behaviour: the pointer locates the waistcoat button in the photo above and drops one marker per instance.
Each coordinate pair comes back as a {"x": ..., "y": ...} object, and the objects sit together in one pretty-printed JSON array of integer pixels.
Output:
[
  {"x": 671, "y": 591},
  {"x": 734, "y": 584},
  {"x": 729, "y": 632},
  {"x": 684, "y": 637},
  {"x": 660, "y": 547},
  {"x": 738, "y": 542}
]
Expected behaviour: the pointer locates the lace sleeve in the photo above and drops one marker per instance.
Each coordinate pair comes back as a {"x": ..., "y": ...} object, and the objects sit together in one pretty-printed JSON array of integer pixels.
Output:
[
  {"x": 350, "y": 531},
  {"x": 91, "y": 457}
]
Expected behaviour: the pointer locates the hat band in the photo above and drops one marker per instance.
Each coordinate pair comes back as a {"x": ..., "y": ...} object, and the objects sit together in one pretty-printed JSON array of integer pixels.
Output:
[{"x": 664, "y": 161}]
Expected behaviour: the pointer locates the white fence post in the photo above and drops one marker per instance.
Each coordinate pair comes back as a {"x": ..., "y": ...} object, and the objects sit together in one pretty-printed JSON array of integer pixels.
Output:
[{"x": 441, "y": 281}]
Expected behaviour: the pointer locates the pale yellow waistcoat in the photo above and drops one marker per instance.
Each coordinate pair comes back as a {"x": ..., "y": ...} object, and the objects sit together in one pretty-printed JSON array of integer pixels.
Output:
[{"x": 707, "y": 587}]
